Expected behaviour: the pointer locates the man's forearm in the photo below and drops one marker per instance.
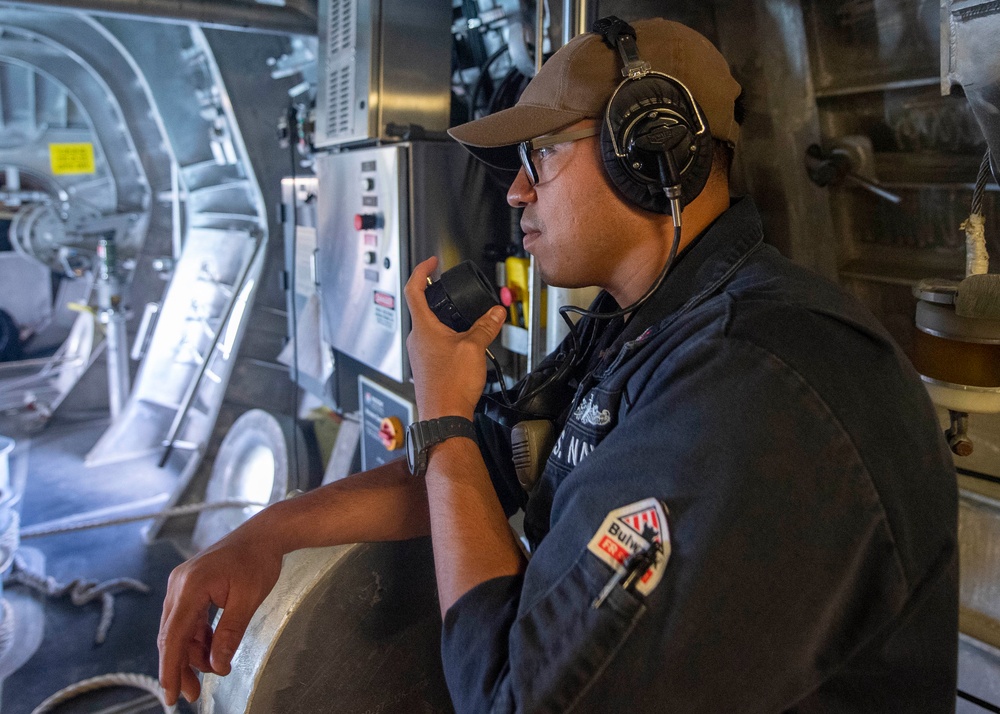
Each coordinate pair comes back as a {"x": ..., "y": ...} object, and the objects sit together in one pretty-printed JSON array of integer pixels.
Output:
[
  {"x": 385, "y": 503},
  {"x": 473, "y": 541}
]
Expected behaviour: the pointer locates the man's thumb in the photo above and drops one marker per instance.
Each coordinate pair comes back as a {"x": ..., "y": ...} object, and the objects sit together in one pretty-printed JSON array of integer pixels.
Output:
[{"x": 488, "y": 326}]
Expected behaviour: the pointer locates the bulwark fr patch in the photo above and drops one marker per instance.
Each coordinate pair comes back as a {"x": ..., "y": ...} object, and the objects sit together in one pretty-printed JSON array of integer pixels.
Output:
[{"x": 632, "y": 529}]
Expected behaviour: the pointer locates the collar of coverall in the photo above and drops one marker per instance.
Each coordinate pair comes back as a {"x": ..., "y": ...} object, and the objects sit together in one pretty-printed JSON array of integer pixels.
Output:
[{"x": 699, "y": 270}]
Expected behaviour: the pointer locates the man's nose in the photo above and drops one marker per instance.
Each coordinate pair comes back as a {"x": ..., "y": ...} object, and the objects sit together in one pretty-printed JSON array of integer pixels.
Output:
[{"x": 521, "y": 192}]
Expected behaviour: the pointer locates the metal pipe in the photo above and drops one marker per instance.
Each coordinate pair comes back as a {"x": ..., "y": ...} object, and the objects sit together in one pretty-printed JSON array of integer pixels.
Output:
[
  {"x": 585, "y": 16},
  {"x": 536, "y": 335},
  {"x": 873, "y": 187},
  {"x": 569, "y": 13},
  {"x": 539, "y": 36},
  {"x": 116, "y": 353},
  {"x": 230, "y": 16},
  {"x": 112, "y": 316},
  {"x": 176, "y": 235},
  {"x": 577, "y": 18}
]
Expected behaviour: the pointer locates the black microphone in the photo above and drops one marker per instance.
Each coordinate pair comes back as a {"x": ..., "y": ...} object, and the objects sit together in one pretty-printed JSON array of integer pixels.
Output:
[{"x": 461, "y": 296}]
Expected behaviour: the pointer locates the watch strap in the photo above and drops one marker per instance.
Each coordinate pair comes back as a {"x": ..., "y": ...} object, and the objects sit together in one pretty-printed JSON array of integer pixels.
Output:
[
  {"x": 444, "y": 428},
  {"x": 422, "y": 435}
]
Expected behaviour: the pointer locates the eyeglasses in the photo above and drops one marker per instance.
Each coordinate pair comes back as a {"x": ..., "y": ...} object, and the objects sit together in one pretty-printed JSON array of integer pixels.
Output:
[{"x": 526, "y": 148}]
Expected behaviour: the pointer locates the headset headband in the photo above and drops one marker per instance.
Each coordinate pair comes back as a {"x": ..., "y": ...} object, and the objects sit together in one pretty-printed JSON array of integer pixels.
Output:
[{"x": 618, "y": 34}]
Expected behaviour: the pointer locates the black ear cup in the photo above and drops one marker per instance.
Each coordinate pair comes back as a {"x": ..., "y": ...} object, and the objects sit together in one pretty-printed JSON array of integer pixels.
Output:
[{"x": 655, "y": 111}]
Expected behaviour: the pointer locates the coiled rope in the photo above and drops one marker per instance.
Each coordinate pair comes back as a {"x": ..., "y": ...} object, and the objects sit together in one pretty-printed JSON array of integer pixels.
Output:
[
  {"x": 118, "y": 679},
  {"x": 6, "y": 627},
  {"x": 82, "y": 592},
  {"x": 9, "y": 541}
]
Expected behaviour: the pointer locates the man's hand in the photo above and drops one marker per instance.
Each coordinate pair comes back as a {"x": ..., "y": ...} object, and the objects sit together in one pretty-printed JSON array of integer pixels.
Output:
[
  {"x": 235, "y": 574},
  {"x": 449, "y": 368}
]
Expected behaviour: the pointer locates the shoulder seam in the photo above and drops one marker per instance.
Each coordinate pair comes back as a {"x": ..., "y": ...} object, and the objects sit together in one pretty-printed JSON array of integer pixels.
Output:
[{"x": 840, "y": 426}]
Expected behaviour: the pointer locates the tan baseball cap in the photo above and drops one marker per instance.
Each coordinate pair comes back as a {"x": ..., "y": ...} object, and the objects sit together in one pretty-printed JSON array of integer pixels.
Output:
[{"x": 578, "y": 80}]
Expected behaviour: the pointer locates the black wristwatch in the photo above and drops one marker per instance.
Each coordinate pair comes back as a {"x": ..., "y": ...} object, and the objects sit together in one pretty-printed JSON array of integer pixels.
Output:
[{"x": 422, "y": 435}]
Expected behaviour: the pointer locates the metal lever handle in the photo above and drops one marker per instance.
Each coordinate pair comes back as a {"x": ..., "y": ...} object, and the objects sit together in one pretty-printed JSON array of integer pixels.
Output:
[
  {"x": 833, "y": 168},
  {"x": 873, "y": 187}
]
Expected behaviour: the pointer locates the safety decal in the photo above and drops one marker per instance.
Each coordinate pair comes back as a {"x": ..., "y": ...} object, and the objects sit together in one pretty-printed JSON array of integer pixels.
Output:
[
  {"x": 69, "y": 159},
  {"x": 385, "y": 300},
  {"x": 632, "y": 537}
]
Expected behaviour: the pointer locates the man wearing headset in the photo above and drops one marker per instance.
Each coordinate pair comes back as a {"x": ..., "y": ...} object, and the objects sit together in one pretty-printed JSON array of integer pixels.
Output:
[{"x": 748, "y": 507}]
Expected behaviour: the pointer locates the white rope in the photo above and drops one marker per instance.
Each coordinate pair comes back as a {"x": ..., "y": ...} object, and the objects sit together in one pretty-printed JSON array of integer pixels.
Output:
[
  {"x": 118, "y": 679},
  {"x": 39, "y": 531},
  {"x": 6, "y": 627},
  {"x": 977, "y": 260},
  {"x": 80, "y": 591},
  {"x": 9, "y": 542},
  {"x": 8, "y": 549}
]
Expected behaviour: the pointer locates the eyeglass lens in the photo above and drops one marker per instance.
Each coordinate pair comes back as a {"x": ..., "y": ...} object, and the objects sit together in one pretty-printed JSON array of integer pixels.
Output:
[{"x": 524, "y": 151}]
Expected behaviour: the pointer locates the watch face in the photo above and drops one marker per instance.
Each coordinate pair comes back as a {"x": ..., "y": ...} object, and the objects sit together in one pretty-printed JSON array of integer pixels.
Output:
[
  {"x": 412, "y": 450},
  {"x": 408, "y": 445}
]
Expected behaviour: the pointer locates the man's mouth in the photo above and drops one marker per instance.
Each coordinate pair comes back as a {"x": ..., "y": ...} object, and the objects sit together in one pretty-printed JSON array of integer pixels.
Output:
[{"x": 530, "y": 236}]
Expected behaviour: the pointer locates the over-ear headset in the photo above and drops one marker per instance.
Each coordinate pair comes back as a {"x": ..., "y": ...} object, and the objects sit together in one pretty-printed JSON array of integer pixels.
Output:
[
  {"x": 655, "y": 139},
  {"x": 657, "y": 151}
]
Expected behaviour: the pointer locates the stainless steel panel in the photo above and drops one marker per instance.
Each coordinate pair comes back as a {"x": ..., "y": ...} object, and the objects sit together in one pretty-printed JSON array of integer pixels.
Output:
[
  {"x": 382, "y": 63},
  {"x": 871, "y": 43},
  {"x": 359, "y": 270},
  {"x": 346, "y": 58},
  {"x": 978, "y": 674},
  {"x": 781, "y": 121},
  {"x": 415, "y": 65},
  {"x": 969, "y": 57},
  {"x": 979, "y": 546},
  {"x": 315, "y": 360},
  {"x": 979, "y": 614},
  {"x": 432, "y": 199}
]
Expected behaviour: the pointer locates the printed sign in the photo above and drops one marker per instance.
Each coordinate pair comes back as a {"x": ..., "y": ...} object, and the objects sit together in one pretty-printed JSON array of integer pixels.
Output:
[
  {"x": 377, "y": 405},
  {"x": 68, "y": 159}
]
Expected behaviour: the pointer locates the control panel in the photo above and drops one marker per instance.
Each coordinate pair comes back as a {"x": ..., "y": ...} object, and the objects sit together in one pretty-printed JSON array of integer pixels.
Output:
[
  {"x": 380, "y": 210},
  {"x": 362, "y": 228}
]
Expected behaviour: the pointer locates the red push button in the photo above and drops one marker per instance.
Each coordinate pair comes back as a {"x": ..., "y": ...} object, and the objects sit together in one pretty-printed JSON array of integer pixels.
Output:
[
  {"x": 365, "y": 221},
  {"x": 391, "y": 433}
]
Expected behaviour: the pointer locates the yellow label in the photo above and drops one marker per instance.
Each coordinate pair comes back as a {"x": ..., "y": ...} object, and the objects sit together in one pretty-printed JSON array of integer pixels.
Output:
[{"x": 71, "y": 159}]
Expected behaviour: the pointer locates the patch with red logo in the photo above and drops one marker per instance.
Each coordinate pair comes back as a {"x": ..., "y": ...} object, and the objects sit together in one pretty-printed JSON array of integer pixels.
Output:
[{"x": 639, "y": 528}]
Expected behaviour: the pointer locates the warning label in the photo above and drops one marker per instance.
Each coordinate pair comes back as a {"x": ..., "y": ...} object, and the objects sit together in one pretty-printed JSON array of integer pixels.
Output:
[
  {"x": 68, "y": 159},
  {"x": 385, "y": 318}
]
